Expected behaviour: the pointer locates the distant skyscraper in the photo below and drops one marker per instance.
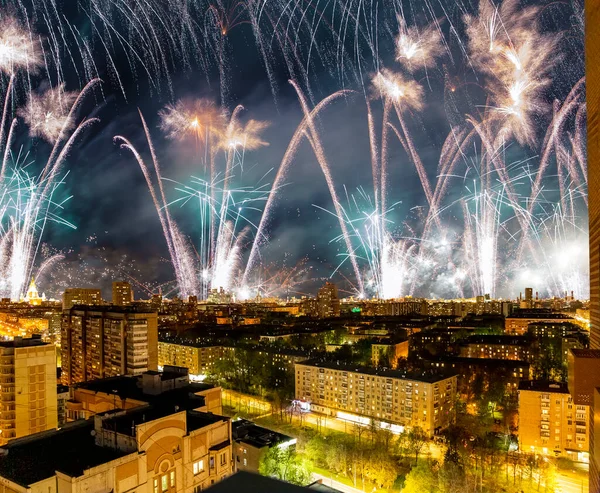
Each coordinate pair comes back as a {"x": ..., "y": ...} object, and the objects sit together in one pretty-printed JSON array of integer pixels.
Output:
[
  {"x": 99, "y": 342},
  {"x": 29, "y": 403},
  {"x": 328, "y": 301},
  {"x": 122, "y": 294},
  {"x": 81, "y": 296}
]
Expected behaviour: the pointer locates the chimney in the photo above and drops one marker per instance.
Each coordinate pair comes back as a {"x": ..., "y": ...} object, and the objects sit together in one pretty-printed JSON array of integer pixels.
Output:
[
  {"x": 536, "y": 296},
  {"x": 572, "y": 297}
]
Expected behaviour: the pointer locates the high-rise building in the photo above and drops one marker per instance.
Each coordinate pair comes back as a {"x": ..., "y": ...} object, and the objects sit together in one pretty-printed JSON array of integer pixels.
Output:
[
  {"x": 81, "y": 296},
  {"x": 592, "y": 81},
  {"x": 122, "y": 294},
  {"x": 328, "y": 301},
  {"x": 393, "y": 398},
  {"x": 98, "y": 342},
  {"x": 551, "y": 423},
  {"x": 28, "y": 381}
]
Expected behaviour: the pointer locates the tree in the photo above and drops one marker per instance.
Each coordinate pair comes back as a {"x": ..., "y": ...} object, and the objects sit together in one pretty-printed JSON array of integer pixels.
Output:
[
  {"x": 423, "y": 478},
  {"x": 451, "y": 478},
  {"x": 416, "y": 441},
  {"x": 381, "y": 470},
  {"x": 284, "y": 464}
]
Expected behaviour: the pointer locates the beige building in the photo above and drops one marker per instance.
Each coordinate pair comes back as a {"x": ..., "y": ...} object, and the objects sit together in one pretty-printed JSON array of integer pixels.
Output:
[
  {"x": 99, "y": 342},
  {"x": 146, "y": 450},
  {"x": 387, "y": 354},
  {"x": 252, "y": 441},
  {"x": 81, "y": 296},
  {"x": 517, "y": 348},
  {"x": 396, "y": 399},
  {"x": 122, "y": 294},
  {"x": 519, "y": 323},
  {"x": 198, "y": 359},
  {"x": 130, "y": 392},
  {"x": 550, "y": 423},
  {"x": 28, "y": 381}
]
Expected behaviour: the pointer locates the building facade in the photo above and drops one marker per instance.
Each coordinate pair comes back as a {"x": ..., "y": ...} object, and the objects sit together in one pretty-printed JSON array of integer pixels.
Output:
[
  {"x": 518, "y": 323},
  {"x": 28, "y": 381},
  {"x": 394, "y": 399},
  {"x": 328, "y": 301},
  {"x": 81, "y": 296},
  {"x": 99, "y": 342},
  {"x": 551, "y": 423},
  {"x": 122, "y": 293},
  {"x": 198, "y": 359},
  {"x": 146, "y": 451},
  {"x": 251, "y": 442},
  {"x": 517, "y": 348}
]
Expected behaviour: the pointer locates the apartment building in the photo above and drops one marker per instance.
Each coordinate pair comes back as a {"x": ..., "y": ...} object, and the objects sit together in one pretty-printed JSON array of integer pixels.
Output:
[
  {"x": 551, "y": 423},
  {"x": 122, "y": 294},
  {"x": 154, "y": 449},
  {"x": 28, "y": 382},
  {"x": 81, "y": 296},
  {"x": 517, "y": 348},
  {"x": 396, "y": 399},
  {"x": 199, "y": 359},
  {"x": 106, "y": 341},
  {"x": 469, "y": 369},
  {"x": 518, "y": 323}
]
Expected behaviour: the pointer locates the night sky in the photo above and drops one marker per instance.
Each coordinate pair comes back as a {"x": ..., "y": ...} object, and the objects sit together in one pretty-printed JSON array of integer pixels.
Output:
[{"x": 118, "y": 233}]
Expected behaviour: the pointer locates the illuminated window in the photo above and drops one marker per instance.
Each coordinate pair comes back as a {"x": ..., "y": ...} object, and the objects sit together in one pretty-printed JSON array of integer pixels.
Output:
[
  {"x": 198, "y": 467},
  {"x": 164, "y": 480}
]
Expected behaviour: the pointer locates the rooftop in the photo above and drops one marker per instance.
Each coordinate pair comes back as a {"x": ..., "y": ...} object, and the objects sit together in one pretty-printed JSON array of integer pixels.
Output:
[
  {"x": 138, "y": 309},
  {"x": 586, "y": 353},
  {"x": 543, "y": 314},
  {"x": 130, "y": 387},
  {"x": 427, "y": 376},
  {"x": 247, "y": 432},
  {"x": 544, "y": 386},
  {"x": 70, "y": 450},
  {"x": 488, "y": 362},
  {"x": 245, "y": 481},
  {"x": 126, "y": 422},
  {"x": 500, "y": 339},
  {"x": 34, "y": 340}
]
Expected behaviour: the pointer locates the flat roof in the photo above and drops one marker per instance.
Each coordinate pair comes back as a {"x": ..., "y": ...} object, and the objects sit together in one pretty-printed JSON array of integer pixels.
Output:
[
  {"x": 113, "y": 308},
  {"x": 20, "y": 342},
  {"x": 245, "y": 481},
  {"x": 544, "y": 386},
  {"x": 509, "y": 340},
  {"x": 126, "y": 422},
  {"x": 130, "y": 387},
  {"x": 510, "y": 363},
  {"x": 70, "y": 450},
  {"x": 427, "y": 376},
  {"x": 586, "y": 353},
  {"x": 541, "y": 316},
  {"x": 247, "y": 432}
]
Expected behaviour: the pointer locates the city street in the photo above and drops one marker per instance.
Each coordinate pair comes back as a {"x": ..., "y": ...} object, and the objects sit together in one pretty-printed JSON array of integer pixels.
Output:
[
  {"x": 572, "y": 482},
  {"x": 327, "y": 481}
]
